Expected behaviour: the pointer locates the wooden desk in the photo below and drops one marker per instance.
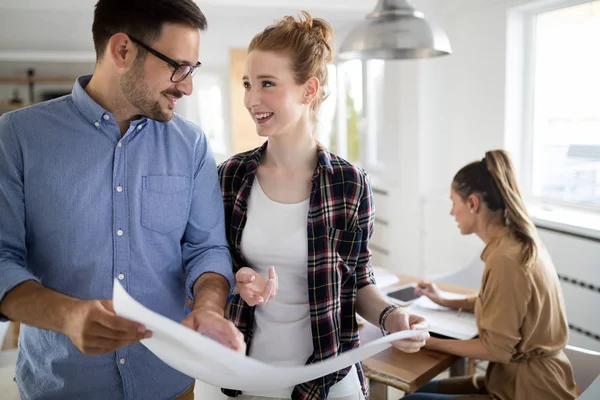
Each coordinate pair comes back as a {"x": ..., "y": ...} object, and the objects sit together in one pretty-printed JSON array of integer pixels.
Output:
[{"x": 408, "y": 372}]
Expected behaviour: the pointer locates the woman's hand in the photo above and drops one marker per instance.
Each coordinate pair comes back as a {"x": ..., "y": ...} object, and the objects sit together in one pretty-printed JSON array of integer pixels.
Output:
[
  {"x": 430, "y": 290},
  {"x": 254, "y": 288}
]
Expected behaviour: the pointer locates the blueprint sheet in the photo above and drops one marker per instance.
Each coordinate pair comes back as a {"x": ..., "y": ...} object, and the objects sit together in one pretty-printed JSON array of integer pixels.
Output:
[{"x": 207, "y": 360}]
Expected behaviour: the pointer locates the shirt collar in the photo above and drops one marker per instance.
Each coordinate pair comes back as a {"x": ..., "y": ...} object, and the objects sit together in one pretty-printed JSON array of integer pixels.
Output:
[
  {"x": 495, "y": 241},
  {"x": 91, "y": 110},
  {"x": 324, "y": 159},
  {"x": 86, "y": 105}
]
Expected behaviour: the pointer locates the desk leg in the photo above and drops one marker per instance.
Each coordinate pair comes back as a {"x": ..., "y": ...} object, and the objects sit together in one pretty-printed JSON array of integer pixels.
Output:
[
  {"x": 471, "y": 367},
  {"x": 459, "y": 368},
  {"x": 378, "y": 390}
]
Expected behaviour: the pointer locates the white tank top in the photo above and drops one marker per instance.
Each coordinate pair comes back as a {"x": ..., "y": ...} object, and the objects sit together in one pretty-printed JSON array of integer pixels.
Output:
[{"x": 276, "y": 235}]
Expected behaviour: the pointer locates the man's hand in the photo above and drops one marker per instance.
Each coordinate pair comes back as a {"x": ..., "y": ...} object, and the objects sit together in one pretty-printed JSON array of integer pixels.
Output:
[
  {"x": 94, "y": 328},
  {"x": 210, "y": 292},
  {"x": 212, "y": 324},
  {"x": 400, "y": 321},
  {"x": 254, "y": 288}
]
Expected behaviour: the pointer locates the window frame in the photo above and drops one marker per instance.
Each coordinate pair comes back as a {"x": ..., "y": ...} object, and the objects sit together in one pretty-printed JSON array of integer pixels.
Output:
[
  {"x": 370, "y": 153},
  {"x": 221, "y": 145},
  {"x": 580, "y": 219}
]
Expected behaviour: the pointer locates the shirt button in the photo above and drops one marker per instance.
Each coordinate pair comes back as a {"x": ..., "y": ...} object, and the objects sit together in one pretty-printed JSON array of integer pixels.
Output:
[
  {"x": 139, "y": 127},
  {"x": 119, "y": 233},
  {"x": 119, "y": 144},
  {"x": 121, "y": 277},
  {"x": 106, "y": 117},
  {"x": 97, "y": 124},
  {"x": 122, "y": 361},
  {"x": 119, "y": 189}
]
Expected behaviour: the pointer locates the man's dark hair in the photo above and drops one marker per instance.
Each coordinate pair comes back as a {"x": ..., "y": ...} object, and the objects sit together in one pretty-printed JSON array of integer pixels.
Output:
[{"x": 143, "y": 19}]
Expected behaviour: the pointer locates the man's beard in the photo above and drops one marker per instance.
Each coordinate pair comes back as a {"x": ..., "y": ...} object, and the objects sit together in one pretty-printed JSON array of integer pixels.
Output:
[{"x": 137, "y": 94}]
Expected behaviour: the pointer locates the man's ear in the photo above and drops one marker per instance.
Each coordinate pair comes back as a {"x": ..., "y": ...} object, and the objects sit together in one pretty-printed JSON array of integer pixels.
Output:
[{"x": 121, "y": 50}]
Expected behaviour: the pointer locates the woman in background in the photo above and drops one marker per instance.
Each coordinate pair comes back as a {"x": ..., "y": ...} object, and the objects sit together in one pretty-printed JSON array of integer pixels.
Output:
[
  {"x": 519, "y": 310},
  {"x": 292, "y": 204}
]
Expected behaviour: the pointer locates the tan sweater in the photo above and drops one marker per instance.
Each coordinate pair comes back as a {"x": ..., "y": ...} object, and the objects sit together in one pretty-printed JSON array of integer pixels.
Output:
[{"x": 521, "y": 319}]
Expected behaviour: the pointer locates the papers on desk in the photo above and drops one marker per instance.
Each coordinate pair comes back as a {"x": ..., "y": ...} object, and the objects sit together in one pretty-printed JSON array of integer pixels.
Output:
[
  {"x": 202, "y": 358},
  {"x": 384, "y": 277},
  {"x": 445, "y": 321}
]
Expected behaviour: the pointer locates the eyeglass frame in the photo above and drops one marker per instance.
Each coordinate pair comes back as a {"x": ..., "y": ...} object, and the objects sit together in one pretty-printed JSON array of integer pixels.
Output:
[{"x": 170, "y": 61}]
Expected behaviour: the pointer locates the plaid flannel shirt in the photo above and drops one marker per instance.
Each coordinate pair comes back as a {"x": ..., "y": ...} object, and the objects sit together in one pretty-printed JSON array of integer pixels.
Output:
[{"x": 340, "y": 224}]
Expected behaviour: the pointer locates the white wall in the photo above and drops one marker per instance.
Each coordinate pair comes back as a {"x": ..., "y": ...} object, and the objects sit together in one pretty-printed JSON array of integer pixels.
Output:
[
  {"x": 462, "y": 97},
  {"x": 438, "y": 117},
  {"x": 443, "y": 113},
  {"x": 577, "y": 258}
]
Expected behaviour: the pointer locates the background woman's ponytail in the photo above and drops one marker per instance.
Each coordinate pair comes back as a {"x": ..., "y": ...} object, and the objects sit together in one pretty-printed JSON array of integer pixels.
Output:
[
  {"x": 493, "y": 180},
  {"x": 502, "y": 171}
]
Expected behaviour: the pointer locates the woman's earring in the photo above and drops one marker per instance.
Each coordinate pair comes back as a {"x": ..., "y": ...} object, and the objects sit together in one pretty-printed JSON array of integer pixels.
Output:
[{"x": 471, "y": 211}]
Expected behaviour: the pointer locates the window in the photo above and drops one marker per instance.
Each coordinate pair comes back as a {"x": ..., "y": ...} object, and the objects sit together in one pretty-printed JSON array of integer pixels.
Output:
[
  {"x": 326, "y": 131},
  {"x": 350, "y": 118},
  {"x": 205, "y": 108},
  {"x": 565, "y": 159},
  {"x": 374, "y": 106},
  {"x": 553, "y": 111},
  {"x": 352, "y": 99}
]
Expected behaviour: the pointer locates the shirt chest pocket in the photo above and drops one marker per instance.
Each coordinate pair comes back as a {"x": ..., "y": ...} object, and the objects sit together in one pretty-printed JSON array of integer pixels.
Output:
[
  {"x": 344, "y": 246},
  {"x": 165, "y": 202}
]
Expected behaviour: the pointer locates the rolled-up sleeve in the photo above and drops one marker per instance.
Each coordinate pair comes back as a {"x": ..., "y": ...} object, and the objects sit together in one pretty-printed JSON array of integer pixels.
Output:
[
  {"x": 503, "y": 308},
  {"x": 204, "y": 244},
  {"x": 13, "y": 251},
  {"x": 366, "y": 222}
]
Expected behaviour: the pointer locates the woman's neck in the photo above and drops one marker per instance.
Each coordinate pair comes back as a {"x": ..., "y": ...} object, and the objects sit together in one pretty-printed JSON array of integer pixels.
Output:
[
  {"x": 491, "y": 229},
  {"x": 291, "y": 152}
]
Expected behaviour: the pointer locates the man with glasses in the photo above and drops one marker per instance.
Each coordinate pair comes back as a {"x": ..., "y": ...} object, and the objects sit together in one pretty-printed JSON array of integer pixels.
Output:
[
  {"x": 180, "y": 71},
  {"x": 108, "y": 183}
]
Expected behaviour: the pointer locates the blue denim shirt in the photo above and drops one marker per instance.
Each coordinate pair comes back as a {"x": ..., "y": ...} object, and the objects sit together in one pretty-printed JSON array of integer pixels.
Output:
[{"x": 80, "y": 206}]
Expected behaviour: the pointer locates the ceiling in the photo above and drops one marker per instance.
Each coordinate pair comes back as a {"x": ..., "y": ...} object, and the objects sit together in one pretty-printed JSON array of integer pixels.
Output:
[
  {"x": 356, "y": 5},
  {"x": 42, "y": 30},
  {"x": 60, "y": 30}
]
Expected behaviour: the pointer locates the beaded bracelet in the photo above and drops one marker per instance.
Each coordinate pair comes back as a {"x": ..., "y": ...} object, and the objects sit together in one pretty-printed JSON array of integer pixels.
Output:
[{"x": 383, "y": 317}]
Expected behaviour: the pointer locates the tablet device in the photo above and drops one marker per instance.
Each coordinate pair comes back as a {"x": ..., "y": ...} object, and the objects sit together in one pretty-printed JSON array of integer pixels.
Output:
[{"x": 404, "y": 295}]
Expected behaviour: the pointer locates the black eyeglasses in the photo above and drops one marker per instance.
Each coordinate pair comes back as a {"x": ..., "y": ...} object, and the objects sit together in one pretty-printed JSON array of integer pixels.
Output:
[{"x": 180, "y": 71}]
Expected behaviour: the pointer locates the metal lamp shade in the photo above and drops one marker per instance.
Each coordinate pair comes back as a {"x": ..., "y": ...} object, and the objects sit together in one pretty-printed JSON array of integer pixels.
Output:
[{"x": 395, "y": 30}]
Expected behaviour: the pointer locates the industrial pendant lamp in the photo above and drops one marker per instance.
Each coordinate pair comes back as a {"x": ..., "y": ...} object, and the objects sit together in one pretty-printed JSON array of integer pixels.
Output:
[{"x": 393, "y": 31}]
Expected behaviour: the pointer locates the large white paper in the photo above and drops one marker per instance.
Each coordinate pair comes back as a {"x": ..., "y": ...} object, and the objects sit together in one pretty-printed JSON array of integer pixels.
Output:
[{"x": 207, "y": 360}]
